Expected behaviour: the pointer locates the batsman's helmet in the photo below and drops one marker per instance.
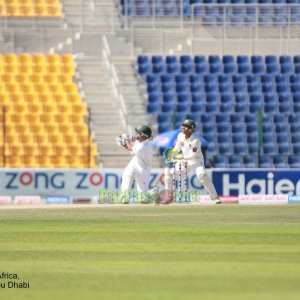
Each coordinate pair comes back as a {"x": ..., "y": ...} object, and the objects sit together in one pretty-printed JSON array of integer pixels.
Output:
[
  {"x": 190, "y": 123},
  {"x": 144, "y": 130}
]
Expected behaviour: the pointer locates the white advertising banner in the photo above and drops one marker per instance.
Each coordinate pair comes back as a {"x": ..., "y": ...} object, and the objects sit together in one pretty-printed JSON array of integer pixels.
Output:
[{"x": 72, "y": 182}]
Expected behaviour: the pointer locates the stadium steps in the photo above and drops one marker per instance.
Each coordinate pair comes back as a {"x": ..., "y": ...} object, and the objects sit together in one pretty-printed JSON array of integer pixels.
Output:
[
  {"x": 105, "y": 119},
  {"x": 97, "y": 16}
]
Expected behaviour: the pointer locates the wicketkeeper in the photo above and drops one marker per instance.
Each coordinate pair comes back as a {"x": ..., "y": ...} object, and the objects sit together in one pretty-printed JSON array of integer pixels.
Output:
[
  {"x": 190, "y": 147},
  {"x": 139, "y": 167}
]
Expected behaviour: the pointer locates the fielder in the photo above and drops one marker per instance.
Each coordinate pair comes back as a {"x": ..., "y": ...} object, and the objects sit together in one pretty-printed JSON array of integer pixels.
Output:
[
  {"x": 190, "y": 146},
  {"x": 139, "y": 167}
]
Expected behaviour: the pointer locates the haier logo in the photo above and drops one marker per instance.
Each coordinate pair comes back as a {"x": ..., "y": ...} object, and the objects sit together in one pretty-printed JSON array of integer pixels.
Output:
[{"x": 257, "y": 182}]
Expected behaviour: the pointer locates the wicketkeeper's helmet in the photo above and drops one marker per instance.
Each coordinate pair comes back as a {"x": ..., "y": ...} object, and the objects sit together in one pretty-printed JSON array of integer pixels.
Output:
[
  {"x": 144, "y": 130},
  {"x": 190, "y": 123}
]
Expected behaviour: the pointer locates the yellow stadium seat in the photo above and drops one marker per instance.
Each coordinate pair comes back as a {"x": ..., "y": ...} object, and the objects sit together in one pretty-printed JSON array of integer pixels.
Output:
[
  {"x": 44, "y": 161},
  {"x": 35, "y": 107},
  {"x": 40, "y": 10},
  {"x": 15, "y": 117},
  {"x": 53, "y": 69},
  {"x": 59, "y": 161},
  {"x": 32, "y": 118},
  {"x": 35, "y": 77},
  {"x": 10, "y": 58},
  {"x": 8, "y": 78},
  {"x": 61, "y": 118},
  {"x": 76, "y": 118},
  {"x": 60, "y": 149},
  {"x": 52, "y": 2},
  {"x": 25, "y": 58},
  {"x": 27, "y": 87},
  {"x": 40, "y": 138},
  {"x": 40, "y": 69},
  {"x": 65, "y": 78},
  {"x": 45, "y": 149},
  {"x": 26, "y": 10},
  {"x": 26, "y": 138},
  {"x": 70, "y": 88},
  {"x": 56, "y": 88},
  {"x": 53, "y": 59},
  {"x": 29, "y": 161},
  {"x": 11, "y": 138},
  {"x": 51, "y": 128},
  {"x": 65, "y": 128},
  {"x": 69, "y": 138},
  {"x": 50, "y": 78},
  {"x": 25, "y": 70},
  {"x": 14, "y": 149},
  {"x": 81, "y": 129},
  {"x": 59, "y": 98},
  {"x": 4, "y": 99},
  {"x": 75, "y": 98},
  {"x": 21, "y": 127},
  {"x": 68, "y": 69},
  {"x": 64, "y": 108},
  {"x": 13, "y": 161},
  {"x": 39, "y": 59},
  {"x": 12, "y": 88},
  {"x": 67, "y": 59},
  {"x": 80, "y": 109},
  {"x": 54, "y": 138},
  {"x": 46, "y": 118},
  {"x": 36, "y": 128},
  {"x": 49, "y": 108},
  {"x": 83, "y": 139},
  {"x": 12, "y": 2},
  {"x": 15, "y": 95},
  {"x": 31, "y": 97},
  {"x": 73, "y": 161},
  {"x": 20, "y": 108},
  {"x": 11, "y": 69},
  {"x": 30, "y": 149},
  {"x": 42, "y": 88}
]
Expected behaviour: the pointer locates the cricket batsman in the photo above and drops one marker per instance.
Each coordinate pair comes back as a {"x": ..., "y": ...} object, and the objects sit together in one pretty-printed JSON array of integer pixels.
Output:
[
  {"x": 190, "y": 147},
  {"x": 139, "y": 167}
]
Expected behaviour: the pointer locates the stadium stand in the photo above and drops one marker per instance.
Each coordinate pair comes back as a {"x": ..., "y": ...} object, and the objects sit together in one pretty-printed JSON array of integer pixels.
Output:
[
  {"x": 233, "y": 12},
  {"x": 30, "y": 8},
  {"x": 42, "y": 113},
  {"x": 219, "y": 87}
]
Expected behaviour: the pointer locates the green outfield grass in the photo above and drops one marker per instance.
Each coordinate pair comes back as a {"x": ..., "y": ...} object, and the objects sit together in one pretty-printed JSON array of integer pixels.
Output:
[{"x": 148, "y": 252}]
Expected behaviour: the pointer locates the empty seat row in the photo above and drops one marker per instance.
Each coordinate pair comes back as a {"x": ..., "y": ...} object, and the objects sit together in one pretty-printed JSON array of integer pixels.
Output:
[
  {"x": 30, "y": 8},
  {"x": 256, "y": 161}
]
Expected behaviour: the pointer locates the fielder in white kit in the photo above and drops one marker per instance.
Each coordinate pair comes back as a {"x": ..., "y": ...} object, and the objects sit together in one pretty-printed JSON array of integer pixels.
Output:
[
  {"x": 139, "y": 167},
  {"x": 190, "y": 146}
]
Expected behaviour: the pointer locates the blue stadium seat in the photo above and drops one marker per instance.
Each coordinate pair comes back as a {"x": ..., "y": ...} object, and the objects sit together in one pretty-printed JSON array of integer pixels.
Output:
[
  {"x": 169, "y": 98},
  {"x": 153, "y": 108},
  {"x": 219, "y": 161},
  {"x": 197, "y": 107},
  {"x": 294, "y": 161},
  {"x": 197, "y": 97},
  {"x": 279, "y": 161},
  {"x": 240, "y": 148},
  {"x": 264, "y": 161},
  {"x": 234, "y": 161},
  {"x": 250, "y": 161},
  {"x": 284, "y": 149},
  {"x": 279, "y": 119},
  {"x": 225, "y": 148},
  {"x": 296, "y": 149}
]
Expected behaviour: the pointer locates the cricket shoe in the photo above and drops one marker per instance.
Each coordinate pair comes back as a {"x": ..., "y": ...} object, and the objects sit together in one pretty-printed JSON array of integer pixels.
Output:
[
  {"x": 217, "y": 201},
  {"x": 151, "y": 196}
]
